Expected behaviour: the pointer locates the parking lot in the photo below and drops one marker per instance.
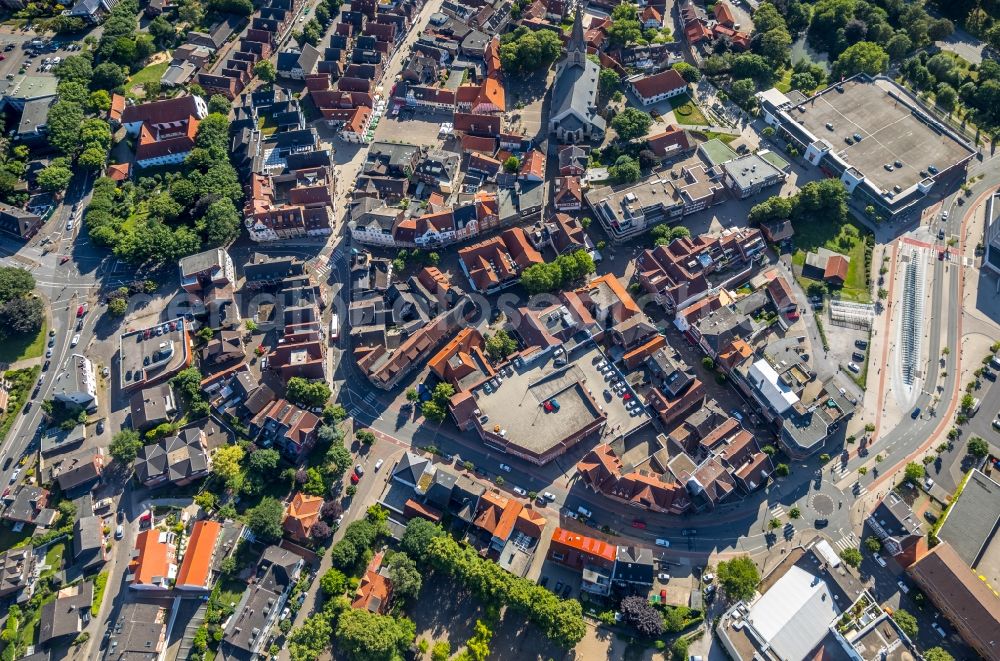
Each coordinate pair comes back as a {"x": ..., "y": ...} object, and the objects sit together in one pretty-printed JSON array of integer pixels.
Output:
[
  {"x": 416, "y": 126},
  {"x": 24, "y": 61}
]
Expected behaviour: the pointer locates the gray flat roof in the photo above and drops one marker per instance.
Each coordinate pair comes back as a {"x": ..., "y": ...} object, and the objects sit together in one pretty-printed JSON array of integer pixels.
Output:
[
  {"x": 889, "y": 129},
  {"x": 972, "y": 526},
  {"x": 135, "y": 348},
  {"x": 517, "y": 404}
]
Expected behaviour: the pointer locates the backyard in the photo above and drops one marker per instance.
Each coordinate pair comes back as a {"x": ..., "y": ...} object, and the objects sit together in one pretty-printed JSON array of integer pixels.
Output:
[
  {"x": 150, "y": 74},
  {"x": 686, "y": 112},
  {"x": 847, "y": 239}
]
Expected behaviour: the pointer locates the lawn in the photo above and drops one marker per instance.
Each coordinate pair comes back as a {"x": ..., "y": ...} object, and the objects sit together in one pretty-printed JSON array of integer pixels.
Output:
[
  {"x": 22, "y": 381},
  {"x": 785, "y": 84},
  {"x": 722, "y": 137},
  {"x": 53, "y": 558},
  {"x": 150, "y": 74},
  {"x": 22, "y": 347},
  {"x": 846, "y": 239},
  {"x": 686, "y": 112},
  {"x": 100, "y": 584}
]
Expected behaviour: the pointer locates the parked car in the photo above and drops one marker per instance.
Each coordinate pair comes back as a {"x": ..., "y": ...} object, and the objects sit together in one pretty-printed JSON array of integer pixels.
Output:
[
  {"x": 641, "y": 525},
  {"x": 879, "y": 559},
  {"x": 13, "y": 476},
  {"x": 861, "y": 344},
  {"x": 520, "y": 492},
  {"x": 119, "y": 531},
  {"x": 584, "y": 512},
  {"x": 854, "y": 368},
  {"x": 505, "y": 468},
  {"x": 549, "y": 496},
  {"x": 902, "y": 587},
  {"x": 378, "y": 464},
  {"x": 663, "y": 542},
  {"x": 663, "y": 576}
]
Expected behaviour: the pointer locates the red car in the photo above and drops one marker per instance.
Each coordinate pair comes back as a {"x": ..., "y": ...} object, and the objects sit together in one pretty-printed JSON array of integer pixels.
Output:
[
  {"x": 792, "y": 316},
  {"x": 80, "y": 310},
  {"x": 641, "y": 525},
  {"x": 354, "y": 478}
]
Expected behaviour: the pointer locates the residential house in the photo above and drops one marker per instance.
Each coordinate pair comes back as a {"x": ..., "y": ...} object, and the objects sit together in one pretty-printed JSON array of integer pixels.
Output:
[
  {"x": 282, "y": 424},
  {"x": 374, "y": 593},
  {"x": 18, "y": 223},
  {"x": 302, "y": 514},
  {"x": 196, "y": 568},
  {"x": 593, "y": 557},
  {"x": 206, "y": 270},
  {"x": 177, "y": 460},
  {"x": 77, "y": 473},
  {"x": 138, "y": 634},
  {"x": 573, "y": 160},
  {"x": 153, "y": 564},
  {"x": 29, "y": 504},
  {"x": 66, "y": 616},
  {"x": 297, "y": 64},
  {"x": 88, "y": 542},
  {"x": 567, "y": 194},
  {"x": 151, "y": 407},
  {"x": 17, "y": 569}
]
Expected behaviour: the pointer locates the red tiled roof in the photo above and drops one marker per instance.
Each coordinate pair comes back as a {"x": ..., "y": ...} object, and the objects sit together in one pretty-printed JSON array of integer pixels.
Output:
[
  {"x": 374, "y": 589},
  {"x": 533, "y": 164},
  {"x": 567, "y": 190},
  {"x": 117, "y": 107},
  {"x": 674, "y": 140},
  {"x": 497, "y": 514},
  {"x": 586, "y": 545},
  {"x": 488, "y": 125},
  {"x": 153, "y": 559},
  {"x": 780, "y": 293},
  {"x": 118, "y": 171},
  {"x": 166, "y": 111},
  {"x": 481, "y": 144},
  {"x": 724, "y": 14},
  {"x": 665, "y": 81},
  {"x": 836, "y": 268},
  {"x": 302, "y": 515},
  {"x": 197, "y": 564}
]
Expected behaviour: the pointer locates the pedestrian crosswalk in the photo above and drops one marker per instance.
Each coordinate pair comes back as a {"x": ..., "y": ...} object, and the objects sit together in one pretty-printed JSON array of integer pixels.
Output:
[
  {"x": 323, "y": 265},
  {"x": 848, "y": 541},
  {"x": 371, "y": 399},
  {"x": 777, "y": 511}
]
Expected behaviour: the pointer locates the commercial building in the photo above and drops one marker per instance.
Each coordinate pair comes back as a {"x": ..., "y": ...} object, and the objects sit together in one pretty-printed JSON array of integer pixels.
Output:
[
  {"x": 628, "y": 211},
  {"x": 873, "y": 135},
  {"x": 153, "y": 355},
  {"x": 165, "y": 130},
  {"x": 76, "y": 383},
  {"x": 813, "y": 608},
  {"x": 991, "y": 239}
]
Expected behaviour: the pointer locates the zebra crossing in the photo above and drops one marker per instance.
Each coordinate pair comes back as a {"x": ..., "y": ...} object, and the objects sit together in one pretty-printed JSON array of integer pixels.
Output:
[
  {"x": 848, "y": 541},
  {"x": 777, "y": 511},
  {"x": 371, "y": 399},
  {"x": 324, "y": 265}
]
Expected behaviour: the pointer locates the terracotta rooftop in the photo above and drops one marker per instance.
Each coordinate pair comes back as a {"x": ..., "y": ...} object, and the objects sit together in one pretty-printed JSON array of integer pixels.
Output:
[{"x": 196, "y": 568}]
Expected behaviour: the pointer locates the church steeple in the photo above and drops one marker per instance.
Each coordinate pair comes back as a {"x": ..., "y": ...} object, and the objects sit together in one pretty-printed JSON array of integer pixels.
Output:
[{"x": 576, "y": 48}]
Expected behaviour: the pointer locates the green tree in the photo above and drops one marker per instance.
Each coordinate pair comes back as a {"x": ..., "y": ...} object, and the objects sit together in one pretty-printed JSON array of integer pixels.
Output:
[
  {"x": 99, "y": 101},
  {"x": 906, "y": 622},
  {"x": 125, "y": 446},
  {"x": 221, "y": 223},
  {"x": 626, "y": 170},
  {"x": 500, "y": 345},
  {"x": 310, "y": 394},
  {"x": 937, "y": 654},
  {"x": 307, "y": 642},
  {"x": 851, "y": 556},
  {"x": 914, "y": 472},
  {"x": 265, "y": 519},
  {"x": 738, "y": 577},
  {"x": 688, "y": 72},
  {"x": 977, "y": 447},
  {"x": 15, "y": 282},
  {"x": 862, "y": 57},
  {"x": 361, "y": 634},
  {"x": 782, "y": 470},
  {"x": 265, "y": 71},
  {"x": 333, "y": 583},
  {"x": 417, "y": 539},
  {"x": 631, "y": 123},
  {"x": 742, "y": 92},
  {"x": 608, "y": 82},
  {"x": 264, "y": 462},
  {"x": 64, "y": 123},
  {"x": 873, "y": 544},
  {"x": 625, "y": 27},
  {"x": 118, "y": 307},
  {"x": 219, "y": 104},
  {"x": 512, "y": 164},
  {"x": 227, "y": 465},
  {"x": 75, "y": 68},
  {"x": 161, "y": 30},
  {"x": 406, "y": 578},
  {"x": 108, "y": 76},
  {"x": 434, "y": 411},
  {"x": 442, "y": 650},
  {"x": 206, "y": 500}
]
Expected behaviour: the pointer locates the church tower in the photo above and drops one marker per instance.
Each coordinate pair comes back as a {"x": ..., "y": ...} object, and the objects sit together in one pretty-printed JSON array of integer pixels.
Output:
[{"x": 576, "y": 49}]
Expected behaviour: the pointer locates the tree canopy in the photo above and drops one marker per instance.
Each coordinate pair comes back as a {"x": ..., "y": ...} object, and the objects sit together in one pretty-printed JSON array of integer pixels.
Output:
[
  {"x": 265, "y": 519},
  {"x": 125, "y": 446},
  {"x": 361, "y": 634},
  {"x": 738, "y": 577},
  {"x": 525, "y": 50},
  {"x": 631, "y": 123},
  {"x": 556, "y": 275},
  {"x": 308, "y": 393}
]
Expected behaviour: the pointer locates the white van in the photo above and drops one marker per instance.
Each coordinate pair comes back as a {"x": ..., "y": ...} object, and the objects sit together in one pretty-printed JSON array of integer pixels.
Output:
[{"x": 584, "y": 512}]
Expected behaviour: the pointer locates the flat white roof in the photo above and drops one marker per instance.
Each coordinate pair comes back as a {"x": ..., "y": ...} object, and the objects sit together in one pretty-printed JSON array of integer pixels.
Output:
[
  {"x": 778, "y": 395},
  {"x": 795, "y": 614}
]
